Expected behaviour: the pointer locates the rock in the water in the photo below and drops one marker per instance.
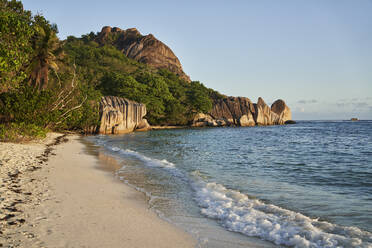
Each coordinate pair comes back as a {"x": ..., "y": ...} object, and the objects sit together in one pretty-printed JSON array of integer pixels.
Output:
[
  {"x": 264, "y": 116},
  {"x": 282, "y": 110},
  {"x": 119, "y": 115},
  {"x": 145, "y": 49},
  {"x": 230, "y": 110},
  {"x": 240, "y": 111},
  {"x": 290, "y": 122}
]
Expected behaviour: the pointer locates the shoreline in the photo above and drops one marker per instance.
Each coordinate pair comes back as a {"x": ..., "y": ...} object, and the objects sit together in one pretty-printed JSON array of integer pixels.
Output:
[
  {"x": 168, "y": 127},
  {"x": 75, "y": 203}
]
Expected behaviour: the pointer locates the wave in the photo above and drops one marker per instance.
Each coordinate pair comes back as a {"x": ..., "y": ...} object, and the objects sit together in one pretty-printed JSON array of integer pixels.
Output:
[
  {"x": 241, "y": 213},
  {"x": 238, "y": 212},
  {"x": 150, "y": 162}
]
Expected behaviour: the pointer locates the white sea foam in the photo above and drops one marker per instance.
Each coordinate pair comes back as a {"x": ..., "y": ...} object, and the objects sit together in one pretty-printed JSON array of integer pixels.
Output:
[
  {"x": 152, "y": 162},
  {"x": 115, "y": 149},
  {"x": 239, "y": 213},
  {"x": 149, "y": 161}
]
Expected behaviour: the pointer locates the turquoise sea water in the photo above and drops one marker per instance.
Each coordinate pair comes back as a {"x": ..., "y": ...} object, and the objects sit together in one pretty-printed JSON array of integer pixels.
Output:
[{"x": 303, "y": 185}]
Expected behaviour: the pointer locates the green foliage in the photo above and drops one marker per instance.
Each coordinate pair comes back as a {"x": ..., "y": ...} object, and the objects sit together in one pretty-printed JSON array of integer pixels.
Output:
[
  {"x": 87, "y": 116},
  {"x": 30, "y": 95},
  {"x": 48, "y": 84},
  {"x": 198, "y": 98},
  {"x": 28, "y": 105},
  {"x": 18, "y": 132},
  {"x": 16, "y": 31},
  {"x": 53, "y": 108},
  {"x": 46, "y": 48},
  {"x": 169, "y": 99}
]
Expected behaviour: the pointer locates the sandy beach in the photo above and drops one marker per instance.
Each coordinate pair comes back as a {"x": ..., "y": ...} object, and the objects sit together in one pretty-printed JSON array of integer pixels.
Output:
[{"x": 54, "y": 196}]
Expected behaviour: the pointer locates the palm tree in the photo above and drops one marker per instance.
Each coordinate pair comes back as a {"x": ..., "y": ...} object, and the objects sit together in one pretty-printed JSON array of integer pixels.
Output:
[{"x": 46, "y": 48}]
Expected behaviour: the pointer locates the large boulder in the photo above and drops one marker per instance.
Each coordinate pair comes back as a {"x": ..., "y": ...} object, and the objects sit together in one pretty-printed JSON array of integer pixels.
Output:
[
  {"x": 119, "y": 115},
  {"x": 204, "y": 120},
  {"x": 232, "y": 109},
  {"x": 143, "y": 126},
  {"x": 143, "y": 48},
  {"x": 247, "y": 120},
  {"x": 282, "y": 110},
  {"x": 264, "y": 116}
]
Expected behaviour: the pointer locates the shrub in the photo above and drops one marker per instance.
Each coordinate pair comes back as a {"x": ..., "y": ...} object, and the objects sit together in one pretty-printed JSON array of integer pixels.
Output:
[{"x": 19, "y": 132}]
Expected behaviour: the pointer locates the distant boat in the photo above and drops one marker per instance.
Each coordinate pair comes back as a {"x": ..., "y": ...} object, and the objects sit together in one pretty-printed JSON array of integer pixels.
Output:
[{"x": 354, "y": 119}]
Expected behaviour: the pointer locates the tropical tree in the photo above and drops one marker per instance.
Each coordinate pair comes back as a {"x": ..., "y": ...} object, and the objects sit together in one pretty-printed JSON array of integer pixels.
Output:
[
  {"x": 46, "y": 49},
  {"x": 16, "y": 31}
]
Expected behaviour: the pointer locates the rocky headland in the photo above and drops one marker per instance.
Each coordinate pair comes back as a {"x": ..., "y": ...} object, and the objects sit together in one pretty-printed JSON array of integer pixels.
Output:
[
  {"x": 120, "y": 115},
  {"x": 240, "y": 111},
  {"x": 142, "y": 48}
]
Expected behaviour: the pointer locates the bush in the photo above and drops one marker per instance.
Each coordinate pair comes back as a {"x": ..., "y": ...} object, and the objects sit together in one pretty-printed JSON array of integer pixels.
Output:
[
  {"x": 28, "y": 105},
  {"x": 18, "y": 132},
  {"x": 16, "y": 31}
]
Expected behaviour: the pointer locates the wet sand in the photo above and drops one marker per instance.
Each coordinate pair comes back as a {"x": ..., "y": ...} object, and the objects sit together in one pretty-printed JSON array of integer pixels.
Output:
[{"x": 72, "y": 204}]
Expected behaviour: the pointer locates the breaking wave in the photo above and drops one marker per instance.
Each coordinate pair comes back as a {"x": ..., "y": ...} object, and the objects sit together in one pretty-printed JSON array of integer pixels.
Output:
[
  {"x": 152, "y": 162},
  {"x": 238, "y": 212}
]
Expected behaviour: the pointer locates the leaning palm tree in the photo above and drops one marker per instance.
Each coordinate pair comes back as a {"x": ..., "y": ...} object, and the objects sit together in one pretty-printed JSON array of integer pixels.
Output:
[{"x": 46, "y": 47}]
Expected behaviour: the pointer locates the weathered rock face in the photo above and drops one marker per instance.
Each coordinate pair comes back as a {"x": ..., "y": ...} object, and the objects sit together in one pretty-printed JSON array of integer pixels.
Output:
[
  {"x": 247, "y": 120},
  {"x": 264, "y": 116},
  {"x": 233, "y": 111},
  {"x": 119, "y": 115},
  {"x": 280, "y": 108},
  {"x": 145, "y": 49},
  {"x": 204, "y": 120},
  {"x": 240, "y": 111}
]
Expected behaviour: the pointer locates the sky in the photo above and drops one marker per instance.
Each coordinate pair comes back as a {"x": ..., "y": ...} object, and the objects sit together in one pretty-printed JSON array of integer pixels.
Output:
[{"x": 316, "y": 55}]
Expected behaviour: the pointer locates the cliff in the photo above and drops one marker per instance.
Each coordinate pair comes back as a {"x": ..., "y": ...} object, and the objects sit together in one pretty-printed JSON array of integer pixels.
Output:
[
  {"x": 143, "y": 48},
  {"x": 240, "y": 111},
  {"x": 119, "y": 115}
]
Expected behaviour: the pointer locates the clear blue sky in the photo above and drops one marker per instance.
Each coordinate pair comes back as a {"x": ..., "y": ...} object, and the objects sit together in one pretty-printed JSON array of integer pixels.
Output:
[{"x": 316, "y": 55}]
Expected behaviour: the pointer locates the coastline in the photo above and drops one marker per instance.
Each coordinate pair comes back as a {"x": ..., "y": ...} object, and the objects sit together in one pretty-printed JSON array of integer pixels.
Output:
[
  {"x": 168, "y": 127},
  {"x": 74, "y": 204}
]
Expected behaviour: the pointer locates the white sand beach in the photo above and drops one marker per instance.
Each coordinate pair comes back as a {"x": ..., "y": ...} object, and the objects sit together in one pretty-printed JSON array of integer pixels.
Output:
[{"x": 65, "y": 201}]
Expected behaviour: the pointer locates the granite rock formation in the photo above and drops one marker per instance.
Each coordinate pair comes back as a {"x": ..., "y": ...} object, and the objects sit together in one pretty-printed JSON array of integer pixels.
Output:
[
  {"x": 240, "y": 111},
  {"x": 143, "y": 48},
  {"x": 280, "y": 108},
  {"x": 263, "y": 115},
  {"x": 119, "y": 115},
  {"x": 233, "y": 111}
]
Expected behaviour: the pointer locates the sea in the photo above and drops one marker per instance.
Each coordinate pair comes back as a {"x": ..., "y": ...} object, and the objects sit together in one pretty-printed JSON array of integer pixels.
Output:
[{"x": 302, "y": 185}]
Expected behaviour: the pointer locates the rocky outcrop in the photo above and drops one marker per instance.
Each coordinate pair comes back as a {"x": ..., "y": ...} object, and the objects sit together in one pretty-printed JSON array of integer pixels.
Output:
[
  {"x": 263, "y": 115},
  {"x": 282, "y": 110},
  {"x": 240, "y": 111},
  {"x": 145, "y": 49},
  {"x": 233, "y": 111},
  {"x": 119, "y": 115}
]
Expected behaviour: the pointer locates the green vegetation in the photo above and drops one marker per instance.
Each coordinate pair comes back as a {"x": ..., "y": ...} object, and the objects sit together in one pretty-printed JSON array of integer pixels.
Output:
[
  {"x": 169, "y": 99},
  {"x": 17, "y": 132},
  {"x": 39, "y": 89},
  {"x": 48, "y": 84},
  {"x": 16, "y": 30}
]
